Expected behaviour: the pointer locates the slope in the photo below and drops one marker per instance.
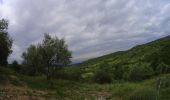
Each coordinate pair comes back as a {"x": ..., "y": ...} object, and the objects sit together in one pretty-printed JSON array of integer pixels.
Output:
[{"x": 145, "y": 54}]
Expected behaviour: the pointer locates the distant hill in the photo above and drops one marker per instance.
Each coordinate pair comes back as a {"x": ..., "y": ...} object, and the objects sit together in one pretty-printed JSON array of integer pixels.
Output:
[{"x": 144, "y": 53}]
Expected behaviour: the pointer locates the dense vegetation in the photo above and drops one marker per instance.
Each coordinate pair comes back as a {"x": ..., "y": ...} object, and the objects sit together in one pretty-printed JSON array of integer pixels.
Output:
[
  {"x": 141, "y": 73},
  {"x": 5, "y": 42},
  {"x": 136, "y": 64}
]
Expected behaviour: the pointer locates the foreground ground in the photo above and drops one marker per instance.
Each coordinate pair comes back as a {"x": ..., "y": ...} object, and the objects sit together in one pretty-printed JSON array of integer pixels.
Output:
[{"x": 37, "y": 88}]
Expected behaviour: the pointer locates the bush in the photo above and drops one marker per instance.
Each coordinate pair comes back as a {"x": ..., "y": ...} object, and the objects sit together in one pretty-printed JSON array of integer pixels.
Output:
[
  {"x": 104, "y": 74},
  {"x": 68, "y": 73},
  {"x": 88, "y": 76},
  {"x": 5, "y": 74},
  {"x": 16, "y": 66},
  {"x": 144, "y": 94},
  {"x": 140, "y": 72},
  {"x": 75, "y": 74}
]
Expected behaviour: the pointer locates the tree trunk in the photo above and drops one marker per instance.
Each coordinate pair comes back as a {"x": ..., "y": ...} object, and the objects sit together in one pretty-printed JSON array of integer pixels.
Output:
[{"x": 48, "y": 72}]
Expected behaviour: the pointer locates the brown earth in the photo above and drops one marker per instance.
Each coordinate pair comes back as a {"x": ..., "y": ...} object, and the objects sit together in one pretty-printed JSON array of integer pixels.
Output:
[{"x": 10, "y": 92}]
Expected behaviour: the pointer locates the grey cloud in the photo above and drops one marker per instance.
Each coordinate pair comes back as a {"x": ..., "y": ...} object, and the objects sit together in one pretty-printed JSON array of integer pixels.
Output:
[{"x": 91, "y": 27}]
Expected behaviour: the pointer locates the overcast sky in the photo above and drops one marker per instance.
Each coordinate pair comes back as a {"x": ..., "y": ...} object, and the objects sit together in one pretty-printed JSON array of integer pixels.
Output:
[{"x": 91, "y": 27}]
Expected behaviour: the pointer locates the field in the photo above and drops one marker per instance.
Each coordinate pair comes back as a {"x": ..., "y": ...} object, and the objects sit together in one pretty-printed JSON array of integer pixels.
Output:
[
  {"x": 38, "y": 88},
  {"x": 140, "y": 73}
]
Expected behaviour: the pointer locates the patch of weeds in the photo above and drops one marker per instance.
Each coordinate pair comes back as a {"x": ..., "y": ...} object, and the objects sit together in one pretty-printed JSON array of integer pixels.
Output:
[{"x": 144, "y": 94}]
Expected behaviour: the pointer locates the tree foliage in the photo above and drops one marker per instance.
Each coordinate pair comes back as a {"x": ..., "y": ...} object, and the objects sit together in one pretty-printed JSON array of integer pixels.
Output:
[
  {"x": 165, "y": 54},
  {"x": 160, "y": 61},
  {"x": 140, "y": 72},
  {"x": 51, "y": 53},
  {"x": 118, "y": 72},
  {"x": 5, "y": 42},
  {"x": 32, "y": 59}
]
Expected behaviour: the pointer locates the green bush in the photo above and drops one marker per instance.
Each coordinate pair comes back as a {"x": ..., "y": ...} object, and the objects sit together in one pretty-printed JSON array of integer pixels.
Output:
[
  {"x": 5, "y": 74},
  {"x": 74, "y": 74},
  {"x": 140, "y": 72},
  {"x": 144, "y": 94},
  {"x": 68, "y": 73},
  {"x": 16, "y": 66},
  {"x": 104, "y": 74}
]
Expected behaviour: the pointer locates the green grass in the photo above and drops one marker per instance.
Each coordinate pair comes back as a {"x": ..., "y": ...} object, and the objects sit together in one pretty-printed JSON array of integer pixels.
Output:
[
  {"x": 72, "y": 90},
  {"x": 8, "y": 75},
  {"x": 64, "y": 89}
]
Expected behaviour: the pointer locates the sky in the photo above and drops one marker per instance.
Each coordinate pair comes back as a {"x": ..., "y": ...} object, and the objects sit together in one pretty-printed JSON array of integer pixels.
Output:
[{"x": 91, "y": 28}]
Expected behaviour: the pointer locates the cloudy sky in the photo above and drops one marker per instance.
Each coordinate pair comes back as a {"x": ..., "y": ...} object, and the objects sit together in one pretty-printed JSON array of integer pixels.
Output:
[{"x": 91, "y": 27}]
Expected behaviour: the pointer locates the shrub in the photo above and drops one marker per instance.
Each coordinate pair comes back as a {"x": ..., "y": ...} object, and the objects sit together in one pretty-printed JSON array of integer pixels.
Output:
[
  {"x": 88, "y": 76},
  {"x": 144, "y": 94},
  {"x": 140, "y": 72},
  {"x": 104, "y": 74},
  {"x": 16, "y": 66},
  {"x": 75, "y": 74},
  {"x": 5, "y": 74},
  {"x": 68, "y": 73}
]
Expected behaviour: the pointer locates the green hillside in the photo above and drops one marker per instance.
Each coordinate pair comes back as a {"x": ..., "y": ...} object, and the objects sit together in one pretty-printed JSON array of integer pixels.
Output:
[{"x": 142, "y": 54}]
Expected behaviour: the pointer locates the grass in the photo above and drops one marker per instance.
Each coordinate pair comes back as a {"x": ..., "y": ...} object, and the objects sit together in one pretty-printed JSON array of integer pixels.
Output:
[{"x": 71, "y": 90}]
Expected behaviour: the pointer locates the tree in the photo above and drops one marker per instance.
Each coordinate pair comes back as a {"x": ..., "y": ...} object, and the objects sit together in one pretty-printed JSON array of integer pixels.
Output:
[
  {"x": 5, "y": 42},
  {"x": 32, "y": 60},
  {"x": 54, "y": 53},
  {"x": 140, "y": 72},
  {"x": 48, "y": 55}
]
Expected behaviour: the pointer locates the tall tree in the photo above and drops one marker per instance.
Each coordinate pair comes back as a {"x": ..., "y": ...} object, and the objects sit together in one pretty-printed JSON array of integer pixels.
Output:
[
  {"x": 5, "y": 42},
  {"x": 51, "y": 53},
  {"x": 54, "y": 53}
]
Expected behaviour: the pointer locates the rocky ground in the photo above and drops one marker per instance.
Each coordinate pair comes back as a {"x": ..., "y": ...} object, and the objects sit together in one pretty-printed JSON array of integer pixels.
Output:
[{"x": 10, "y": 92}]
